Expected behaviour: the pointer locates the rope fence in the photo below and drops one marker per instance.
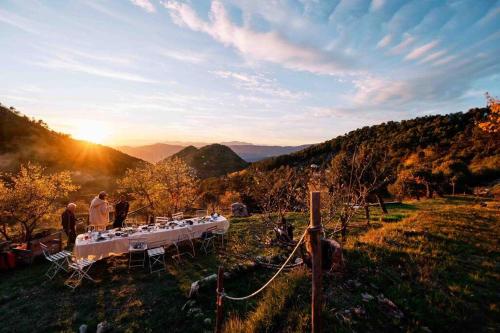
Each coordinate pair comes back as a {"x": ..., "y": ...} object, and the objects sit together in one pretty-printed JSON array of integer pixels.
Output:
[{"x": 223, "y": 294}]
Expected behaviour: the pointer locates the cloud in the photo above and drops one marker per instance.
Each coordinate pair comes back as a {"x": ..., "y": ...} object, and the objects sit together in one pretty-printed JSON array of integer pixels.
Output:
[
  {"x": 435, "y": 55},
  {"x": 376, "y": 5},
  {"x": 144, "y": 4},
  {"x": 263, "y": 46},
  {"x": 407, "y": 41},
  {"x": 420, "y": 51},
  {"x": 67, "y": 63},
  {"x": 184, "y": 56},
  {"x": 258, "y": 83},
  {"x": 17, "y": 22},
  {"x": 384, "y": 41}
]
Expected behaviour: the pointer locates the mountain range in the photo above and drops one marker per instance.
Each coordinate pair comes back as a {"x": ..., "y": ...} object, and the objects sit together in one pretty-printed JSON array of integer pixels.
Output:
[{"x": 247, "y": 151}]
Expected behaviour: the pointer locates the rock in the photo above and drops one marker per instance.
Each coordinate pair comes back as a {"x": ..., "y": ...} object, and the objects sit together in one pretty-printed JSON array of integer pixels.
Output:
[
  {"x": 194, "y": 311},
  {"x": 239, "y": 210},
  {"x": 389, "y": 307},
  {"x": 188, "y": 304},
  {"x": 103, "y": 327},
  {"x": 207, "y": 321},
  {"x": 366, "y": 297},
  {"x": 83, "y": 329},
  {"x": 195, "y": 286},
  {"x": 426, "y": 329}
]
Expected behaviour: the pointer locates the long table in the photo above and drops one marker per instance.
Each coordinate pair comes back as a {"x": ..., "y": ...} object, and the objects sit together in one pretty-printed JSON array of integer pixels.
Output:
[{"x": 89, "y": 247}]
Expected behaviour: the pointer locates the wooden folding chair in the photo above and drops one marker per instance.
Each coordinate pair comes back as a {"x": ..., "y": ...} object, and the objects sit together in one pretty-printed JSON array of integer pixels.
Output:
[
  {"x": 208, "y": 237},
  {"x": 183, "y": 238}
]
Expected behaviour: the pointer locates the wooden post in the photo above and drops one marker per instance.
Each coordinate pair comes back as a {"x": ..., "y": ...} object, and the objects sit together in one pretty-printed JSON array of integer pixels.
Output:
[
  {"x": 315, "y": 243},
  {"x": 219, "y": 300}
]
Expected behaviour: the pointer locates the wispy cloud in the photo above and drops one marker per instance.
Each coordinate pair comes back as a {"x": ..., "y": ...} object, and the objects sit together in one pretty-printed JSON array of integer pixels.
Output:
[
  {"x": 184, "y": 56},
  {"x": 420, "y": 51},
  {"x": 144, "y": 4},
  {"x": 258, "y": 83},
  {"x": 401, "y": 47},
  {"x": 67, "y": 63},
  {"x": 264, "y": 46},
  {"x": 17, "y": 21},
  {"x": 384, "y": 41}
]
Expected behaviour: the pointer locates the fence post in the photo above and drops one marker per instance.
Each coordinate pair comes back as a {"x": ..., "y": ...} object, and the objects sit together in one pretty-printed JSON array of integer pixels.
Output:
[
  {"x": 219, "y": 300},
  {"x": 315, "y": 245}
]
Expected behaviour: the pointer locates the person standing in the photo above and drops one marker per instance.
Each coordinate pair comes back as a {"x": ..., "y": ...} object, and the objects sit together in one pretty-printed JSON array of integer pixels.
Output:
[
  {"x": 99, "y": 212},
  {"x": 121, "y": 211},
  {"x": 68, "y": 221}
]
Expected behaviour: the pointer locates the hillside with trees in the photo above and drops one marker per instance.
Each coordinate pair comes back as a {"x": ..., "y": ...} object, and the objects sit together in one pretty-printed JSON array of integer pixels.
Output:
[
  {"x": 211, "y": 161},
  {"x": 452, "y": 150},
  {"x": 24, "y": 140}
]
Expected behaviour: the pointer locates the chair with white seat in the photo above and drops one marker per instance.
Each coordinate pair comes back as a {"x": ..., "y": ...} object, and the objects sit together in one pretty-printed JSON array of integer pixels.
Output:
[
  {"x": 80, "y": 271},
  {"x": 137, "y": 252},
  {"x": 156, "y": 255},
  {"x": 201, "y": 213},
  {"x": 221, "y": 233},
  {"x": 208, "y": 238},
  {"x": 185, "y": 237},
  {"x": 178, "y": 216},
  {"x": 58, "y": 260},
  {"x": 162, "y": 219}
]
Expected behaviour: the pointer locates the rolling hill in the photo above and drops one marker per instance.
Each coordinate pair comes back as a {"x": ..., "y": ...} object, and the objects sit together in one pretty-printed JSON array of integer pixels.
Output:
[
  {"x": 455, "y": 138},
  {"x": 24, "y": 140},
  {"x": 212, "y": 160}
]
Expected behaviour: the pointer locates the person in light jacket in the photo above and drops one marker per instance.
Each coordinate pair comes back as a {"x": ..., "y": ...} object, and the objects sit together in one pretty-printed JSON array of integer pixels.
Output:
[{"x": 99, "y": 212}]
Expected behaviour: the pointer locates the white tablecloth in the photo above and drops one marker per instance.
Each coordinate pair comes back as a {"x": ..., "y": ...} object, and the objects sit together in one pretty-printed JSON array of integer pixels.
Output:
[{"x": 92, "y": 249}]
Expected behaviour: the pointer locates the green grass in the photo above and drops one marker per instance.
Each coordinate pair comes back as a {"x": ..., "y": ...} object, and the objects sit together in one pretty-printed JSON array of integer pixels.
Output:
[{"x": 436, "y": 260}]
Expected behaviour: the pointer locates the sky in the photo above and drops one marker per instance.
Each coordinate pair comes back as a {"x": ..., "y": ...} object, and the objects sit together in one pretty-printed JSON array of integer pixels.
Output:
[{"x": 268, "y": 72}]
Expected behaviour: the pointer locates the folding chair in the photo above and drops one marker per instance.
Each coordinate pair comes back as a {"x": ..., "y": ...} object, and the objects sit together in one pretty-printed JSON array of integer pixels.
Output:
[
  {"x": 156, "y": 257},
  {"x": 137, "y": 248},
  {"x": 58, "y": 261},
  {"x": 178, "y": 216},
  {"x": 162, "y": 219},
  {"x": 208, "y": 237},
  {"x": 220, "y": 233},
  {"x": 183, "y": 238},
  {"x": 201, "y": 213},
  {"x": 80, "y": 271}
]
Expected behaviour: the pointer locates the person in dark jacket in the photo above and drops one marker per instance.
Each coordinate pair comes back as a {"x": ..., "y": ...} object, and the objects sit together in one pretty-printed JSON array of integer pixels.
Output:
[
  {"x": 121, "y": 211},
  {"x": 68, "y": 221}
]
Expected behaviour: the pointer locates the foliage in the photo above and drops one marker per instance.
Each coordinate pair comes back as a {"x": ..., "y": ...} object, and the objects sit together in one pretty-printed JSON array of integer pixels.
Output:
[
  {"x": 31, "y": 195},
  {"x": 278, "y": 191},
  {"x": 167, "y": 187},
  {"x": 492, "y": 122},
  {"x": 453, "y": 138}
]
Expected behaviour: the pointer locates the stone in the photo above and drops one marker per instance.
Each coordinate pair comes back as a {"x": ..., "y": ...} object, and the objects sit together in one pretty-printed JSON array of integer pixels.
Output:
[
  {"x": 103, "y": 327},
  {"x": 207, "y": 321},
  {"x": 366, "y": 297},
  {"x": 83, "y": 329},
  {"x": 239, "y": 210}
]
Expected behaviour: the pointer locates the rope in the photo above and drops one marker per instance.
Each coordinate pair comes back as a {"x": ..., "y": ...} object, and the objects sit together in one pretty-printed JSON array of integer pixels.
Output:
[{"x": 271, "y": 279}]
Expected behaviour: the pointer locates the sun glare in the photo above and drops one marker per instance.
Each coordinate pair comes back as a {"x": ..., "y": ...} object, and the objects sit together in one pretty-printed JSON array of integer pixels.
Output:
[{"x": 92, "y": 131}]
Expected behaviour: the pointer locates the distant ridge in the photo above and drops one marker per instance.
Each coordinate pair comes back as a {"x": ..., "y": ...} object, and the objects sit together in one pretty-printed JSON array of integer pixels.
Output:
[
  {"x": 24, "y": 140},
  {"x": 211, "y": 161},
  {"x": 249, "y": 152}
]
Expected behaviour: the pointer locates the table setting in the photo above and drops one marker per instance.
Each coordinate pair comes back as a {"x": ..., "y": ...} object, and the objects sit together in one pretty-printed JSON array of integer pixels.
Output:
[{"x": 99, "y": 245}]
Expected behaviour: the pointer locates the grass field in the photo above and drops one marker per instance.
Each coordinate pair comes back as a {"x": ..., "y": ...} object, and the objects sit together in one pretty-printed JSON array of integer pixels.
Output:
[{"x": 430, "y": 265}]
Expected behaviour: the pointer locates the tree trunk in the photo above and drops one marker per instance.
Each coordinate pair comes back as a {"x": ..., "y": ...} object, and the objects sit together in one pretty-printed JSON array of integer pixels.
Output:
[
  {"x": 367, "y": 214},
  {"x": 453, "y": 188},
  {"x": 381, "y": 203},
  {"x": 428, "y": 192}
]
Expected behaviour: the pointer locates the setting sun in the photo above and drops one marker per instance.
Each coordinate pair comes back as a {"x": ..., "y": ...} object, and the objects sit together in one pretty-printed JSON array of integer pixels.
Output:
[{"x": 92, "y": 131}]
